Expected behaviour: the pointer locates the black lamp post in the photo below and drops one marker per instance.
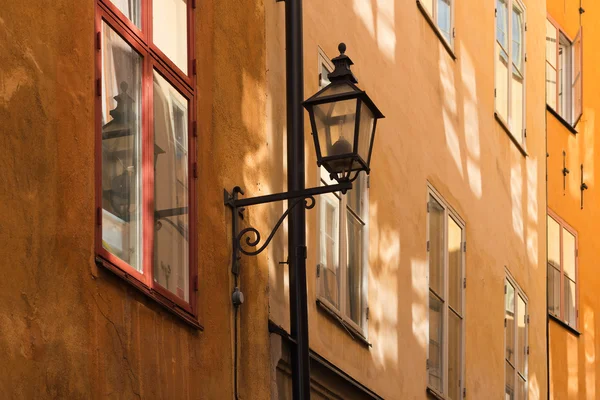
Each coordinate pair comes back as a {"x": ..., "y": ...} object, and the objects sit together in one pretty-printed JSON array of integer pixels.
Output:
[{"x": 343, "y": 120}]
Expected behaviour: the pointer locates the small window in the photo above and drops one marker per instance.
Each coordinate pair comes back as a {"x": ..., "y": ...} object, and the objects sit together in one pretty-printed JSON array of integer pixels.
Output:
[
  {"x": 445, "y": 244},
  {"x": 440, "y": 14},
  {"x": 510, "y": 59},
  {"x": 342, "y": 245},
  {"x": 562, "y": 271},
  {"x": 564, "y": 73},
  {"x": 516, "y": 322}
]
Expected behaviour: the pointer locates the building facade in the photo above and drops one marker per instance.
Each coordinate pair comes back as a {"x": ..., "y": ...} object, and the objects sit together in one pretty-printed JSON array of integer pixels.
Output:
[
  {"x": 572, "y": 37},
  {"x": 124, "y": 120}
]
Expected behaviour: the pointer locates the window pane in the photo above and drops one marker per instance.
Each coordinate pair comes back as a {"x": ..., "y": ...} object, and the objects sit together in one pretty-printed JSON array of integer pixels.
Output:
[
  {"x": 553, "y": 243},
  {"x": 577, "y": 78},
  {"x": 324, "y": 76},
  {"x": 569, "y": 254},
  {"x": 551, "y": 86},
  {"x": 169, "y": 23},
  {"x": 132, "y": 10},
  {"x": 570, "y": 302},
  {"x": 510, "y": 382},
  {"x": 521, "y": 389},
  {"x": 502, "y": 23},
  {"x": 521, "y": 334},
  {"x": 516, "y": 104},
  {"x": 454, "y": 355},
  {"x": 329, "y": 248},
  {"x": 444, "y": 18},
  {"x": 509, "y": 316},
  {"x": 428, "y": 5},
  {"x": 501, "y": 82},
  {"x": 355, "y": 269},
  {"x": 517, "y": 37},
  {"x": 551, "y": 39},
  {"x": 553, "y": 290},
  {"x": 436, "y": 247},
  {"x": 121, "y": 149},
  {"x": 435, "y": 343},
  {"x": 355, "y": 196},
  {"x": 565, "y": 78},
  {"x": 455, "y": 265},
  {"x": 171, "y": 246}
]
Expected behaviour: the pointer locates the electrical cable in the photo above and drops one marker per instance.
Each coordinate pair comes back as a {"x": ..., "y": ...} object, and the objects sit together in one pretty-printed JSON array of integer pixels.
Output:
[{"x": 235, "y": 344}]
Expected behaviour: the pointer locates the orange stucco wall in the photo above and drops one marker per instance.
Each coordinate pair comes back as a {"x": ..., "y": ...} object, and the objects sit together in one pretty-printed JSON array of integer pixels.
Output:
[
  {"x": 439, "y": 128},
  {"x": 574, "y": 369},
  {"x": 70, "y": 329}
]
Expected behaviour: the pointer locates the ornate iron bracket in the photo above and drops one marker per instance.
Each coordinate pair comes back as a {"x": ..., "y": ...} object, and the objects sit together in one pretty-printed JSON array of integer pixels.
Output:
[{"x": 252, "y": 235}]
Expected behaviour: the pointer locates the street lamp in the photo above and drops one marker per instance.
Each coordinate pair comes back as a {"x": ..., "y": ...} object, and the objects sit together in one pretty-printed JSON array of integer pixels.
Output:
[{"x": 343, "y": 120}]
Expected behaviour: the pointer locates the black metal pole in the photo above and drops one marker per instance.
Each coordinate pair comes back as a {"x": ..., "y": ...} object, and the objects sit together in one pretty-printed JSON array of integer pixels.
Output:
[{"x": 297, "y": 221}]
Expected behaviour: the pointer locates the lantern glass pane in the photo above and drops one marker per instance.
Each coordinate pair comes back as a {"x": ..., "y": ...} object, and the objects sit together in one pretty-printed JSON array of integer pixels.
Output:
[
  {"x": 121, "y": 149},
  {"x": 365, "y": 132},
  {"x": 335, "y": 123}
]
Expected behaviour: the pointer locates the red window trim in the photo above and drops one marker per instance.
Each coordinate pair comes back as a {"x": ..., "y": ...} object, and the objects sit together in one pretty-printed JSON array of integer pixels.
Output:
[
  {"x": 153, "y": 59},
  {"x": 564, "y": 225}
]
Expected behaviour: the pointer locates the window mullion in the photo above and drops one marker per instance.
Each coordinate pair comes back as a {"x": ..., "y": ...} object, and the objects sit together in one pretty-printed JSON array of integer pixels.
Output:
[
  {"x": 343, "y": 256},
  {"x": 558, "y": 82},
  {"x": 445, "y": 304},
  {"x": 509, "y": 36},
  {"x": 148, "y": 170},
  {"x": 562, "y": 274},
  {"x": 517, "y": 345}
]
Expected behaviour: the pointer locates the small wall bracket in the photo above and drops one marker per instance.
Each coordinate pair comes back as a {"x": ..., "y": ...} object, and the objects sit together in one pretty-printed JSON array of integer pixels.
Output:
[{"x": 583, "y": 186}]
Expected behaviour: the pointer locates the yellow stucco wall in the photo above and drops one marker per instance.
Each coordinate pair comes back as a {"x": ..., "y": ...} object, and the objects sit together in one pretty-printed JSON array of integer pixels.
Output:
[
  {"x": 574, "y": 369},
  {"x": 439, "y": 128}
]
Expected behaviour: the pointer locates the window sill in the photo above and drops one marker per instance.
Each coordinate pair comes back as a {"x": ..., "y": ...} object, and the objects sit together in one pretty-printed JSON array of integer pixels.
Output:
[
  {"x": 436, "y": 30},
  {"x": 169, "y": 305},
  {"x": 435, "y": 394},
  {"x": 564, "y": 325},
  {"x": 510, "y": 135},
  {"x": 563, "y": 121},
  {"x": 354, "y": 334}
]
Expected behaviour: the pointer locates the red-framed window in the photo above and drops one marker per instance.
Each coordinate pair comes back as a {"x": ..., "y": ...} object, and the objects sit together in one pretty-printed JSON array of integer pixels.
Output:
[
  {"x": 146, "y": 147},
  {"x": 563, "y": 257}
]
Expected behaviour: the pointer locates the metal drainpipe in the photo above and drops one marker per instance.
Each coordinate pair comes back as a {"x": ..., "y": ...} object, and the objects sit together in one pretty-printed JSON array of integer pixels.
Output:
[{"x": 296, "y": 181}]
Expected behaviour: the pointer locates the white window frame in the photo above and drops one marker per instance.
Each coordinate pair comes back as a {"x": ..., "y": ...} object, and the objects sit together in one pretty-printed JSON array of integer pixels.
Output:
[
  {"x": 449, "y": 212},
  {"x": 567, "y": 107},
  {"x": 341, "y": 312},
  {"x": 432, "y": 15},
  {"x": 520, "y": 137},
  {"x": 564, "y": 226},
  {"x": 518, "y": 292}
]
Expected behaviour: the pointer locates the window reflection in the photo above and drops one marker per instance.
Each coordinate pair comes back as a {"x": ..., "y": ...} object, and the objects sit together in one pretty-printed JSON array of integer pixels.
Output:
[
  {"x": 171, "y": 227},
  {"x": 121, "y": 149}
]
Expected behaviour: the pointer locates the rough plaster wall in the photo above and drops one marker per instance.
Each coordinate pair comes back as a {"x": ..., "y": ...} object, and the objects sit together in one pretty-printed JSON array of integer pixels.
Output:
[{"x": 67, "y": 328}]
